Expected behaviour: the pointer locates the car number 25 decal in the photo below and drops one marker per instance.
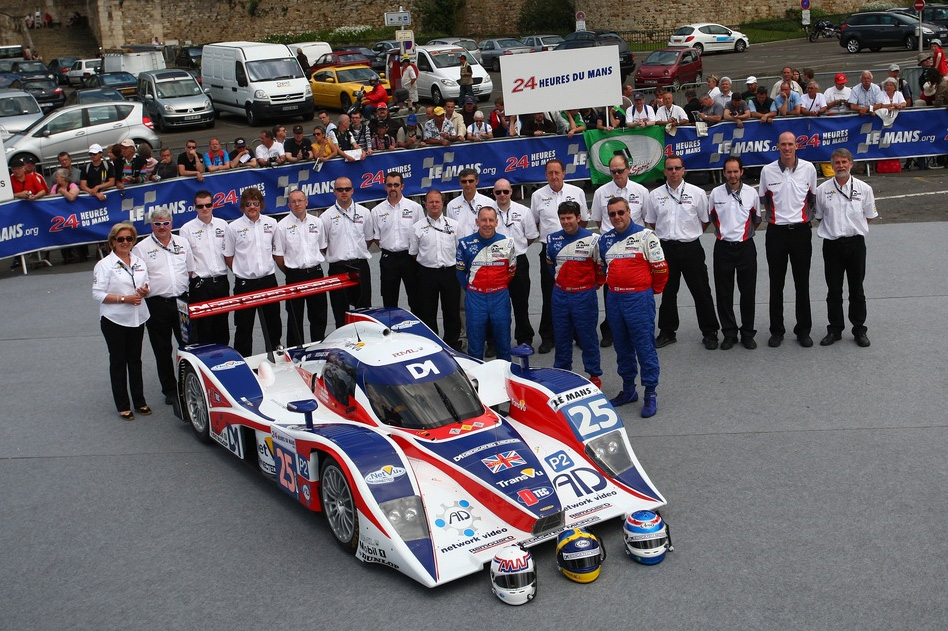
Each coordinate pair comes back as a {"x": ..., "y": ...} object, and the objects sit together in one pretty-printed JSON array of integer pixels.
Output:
[{"x": 591, "y": 417}]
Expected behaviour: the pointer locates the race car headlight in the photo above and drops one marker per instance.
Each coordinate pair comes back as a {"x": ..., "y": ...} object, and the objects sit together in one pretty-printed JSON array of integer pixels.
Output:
[
  {"x": 609, "y": 452},
  {"x": 407, "y": 516}
]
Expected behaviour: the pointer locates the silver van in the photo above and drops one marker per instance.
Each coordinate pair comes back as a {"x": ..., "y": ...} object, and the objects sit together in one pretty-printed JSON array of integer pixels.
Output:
[{"x": 173, "y": 98}]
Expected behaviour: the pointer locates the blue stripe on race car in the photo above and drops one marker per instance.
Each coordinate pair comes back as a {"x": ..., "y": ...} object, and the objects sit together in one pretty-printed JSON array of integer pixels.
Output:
[
  {"x": 376, "y": 459},
  {"x": 632, "y": 478},
  {"x": 232, "y": 371},
  {"x": 553, "y": 379},
  {"x": 424, "y": 552}
]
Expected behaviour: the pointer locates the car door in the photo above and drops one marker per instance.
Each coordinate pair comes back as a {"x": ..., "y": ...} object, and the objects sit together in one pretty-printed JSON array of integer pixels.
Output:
[
  {"x": 425, "y": 74},
  {"x": 689, "y": 65},
  {"x": 324, "y": 88},
  {"x": 105, "y": 123},
  {"x": 891, "y": 30},
  {"x": 63, "y": 131},
  {"x": 723, "y": 37},
  {"x": 487, "y": 52}
]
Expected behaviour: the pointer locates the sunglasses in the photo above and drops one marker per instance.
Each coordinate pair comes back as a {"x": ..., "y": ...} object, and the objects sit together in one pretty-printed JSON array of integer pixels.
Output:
[
  {"x": 124, "y": 239},
  {"x": 392, "y": 185},
  {"x": 468, "y": 181},
  {"x": 343, "y": 189},
  {"x": 317, "y": 133},
  {"x": 192, "y": 146},
  {"x": 500, "y": 192},
  {"x": 617, "y": 171},
  {"x": 617, "y": 213},
  {"x": 674, "y": 168},
  {"x": 211, "y": 205},
  {"x": 161, "y": 224},
  {"x": 254, "y": 204}
]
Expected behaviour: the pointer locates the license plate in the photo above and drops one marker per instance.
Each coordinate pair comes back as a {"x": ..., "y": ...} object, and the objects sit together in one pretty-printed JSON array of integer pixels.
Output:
[
  {"x": 192, "y": 118},
  {"x": 289, "y": 108},
  {"x": 650, "y": 81}
]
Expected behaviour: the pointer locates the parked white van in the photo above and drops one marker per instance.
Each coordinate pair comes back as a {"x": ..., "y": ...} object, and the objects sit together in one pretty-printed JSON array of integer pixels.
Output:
[
  {"x": 439, "y": 69},
  {"x": 256, "y": 80}
]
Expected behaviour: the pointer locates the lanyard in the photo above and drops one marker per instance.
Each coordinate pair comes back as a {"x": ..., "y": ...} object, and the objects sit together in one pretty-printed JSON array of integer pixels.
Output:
[
  {"x": 355, "y": 215},
  {"x": 130, "y": 272},
  {"x": 670, "y": 194},
  {"x": 849, "y": 197},
  {"x": 177, "y": 248},
  {"x": 737, "y": 195},
  {"x": 445, "y": 230},
  {"x": 507, "y": 222}
]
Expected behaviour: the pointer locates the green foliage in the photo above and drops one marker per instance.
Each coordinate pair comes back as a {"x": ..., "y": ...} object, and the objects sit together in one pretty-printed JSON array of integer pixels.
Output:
[
  {"x": 252, "y": 8},
  {"x": 440, "y": 15},
  {"x": 547, "y": 16},
  {"x": 880, "y": 5}
]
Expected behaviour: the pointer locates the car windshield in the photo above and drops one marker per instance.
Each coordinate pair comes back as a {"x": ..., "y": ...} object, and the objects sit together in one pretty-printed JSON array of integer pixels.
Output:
[
  {"x": 39, "y": 84},
  {"x": 662, "y": 58},
  {"x": 31, "y": 66},
  {"x": 427, "y": 405},
  {"x": 176, "y": 88},
  {"x": 685, "y": 30},
  {"x": 18, "y": 106},
  {"x": 274, "y": 69},
  {"x": 356, "y": 75},
  {"x": 89, "y": 96},
  {"x": 116, "y": 79},
  {"x": 508, "y": 43},
  {"x": 448, "y": 59}
]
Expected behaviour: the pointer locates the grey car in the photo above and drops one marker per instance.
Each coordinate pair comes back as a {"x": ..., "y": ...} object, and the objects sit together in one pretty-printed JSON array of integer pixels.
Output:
[
  {"x": 464, "y": 42},
  {"x": 18, "y": 110},
  {"x": 74, "y": 128},
  {"x": 493, "y": 49},
  {"x": 173, "y": 98}
]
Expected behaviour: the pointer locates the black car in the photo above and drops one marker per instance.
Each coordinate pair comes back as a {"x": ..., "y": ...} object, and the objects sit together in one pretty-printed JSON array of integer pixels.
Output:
[
  {"x": 876, "y": 29},
  {"x": 124, "y": 82},
  {"x": 6, "y": 78},
  {"x": 607, "y": 38},
  {"x": 94, "y": 95},
  {"x": 934, "y": 13},
  {"x": 46, "y": 92},
  {"x": 32, "y": 70},
  {"x": 59, "y": 67},
  {"x": 189, "y": 57}
]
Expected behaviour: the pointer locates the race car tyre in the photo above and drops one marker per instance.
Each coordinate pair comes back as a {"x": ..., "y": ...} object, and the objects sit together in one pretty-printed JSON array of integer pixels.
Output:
[
  {"x": 195, "y": 405},
  {"x": 339, "y": 505}
]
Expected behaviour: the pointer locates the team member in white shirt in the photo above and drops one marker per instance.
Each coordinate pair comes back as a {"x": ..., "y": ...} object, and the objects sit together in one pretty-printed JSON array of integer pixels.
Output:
[
  {"x": 786, "y": 191},
  {"x": 169, "y": 263},
  {"x": 515, "y": 221},
  {"x": 837, "y": 97},
  {"x": 205, "y": 235},
  {"x": 394, "y": 220},
  {"x": 678, "y": 213},
  {"x": 434, "y": 245},
  {"x": 298, "y": 246},
  {"x": 845, "y": 207},
  {"x": 463, "y": 208},
  {"x": 120, "y": 284},
  {"x": 350, "y": 230},
  {"x": 248, "y": 251},
  {"x": 544, "y": 204},
  {"x": 735, "y": 213}
]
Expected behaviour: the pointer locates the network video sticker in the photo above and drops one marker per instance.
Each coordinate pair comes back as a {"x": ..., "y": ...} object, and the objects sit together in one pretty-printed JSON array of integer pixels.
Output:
[{"x": 503, "y": 461}]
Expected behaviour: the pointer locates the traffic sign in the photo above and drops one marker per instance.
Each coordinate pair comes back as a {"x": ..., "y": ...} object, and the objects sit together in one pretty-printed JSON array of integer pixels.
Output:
[
  {"x": 804, "y": 4},
  {"x": 397, "y": 18},
  {"x": 580, "y": 16},
  {"x": 404, "y": 36},
  {"x": 919, "y": 5}
]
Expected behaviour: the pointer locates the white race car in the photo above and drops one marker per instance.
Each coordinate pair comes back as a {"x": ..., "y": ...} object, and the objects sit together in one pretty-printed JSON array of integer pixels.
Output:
[{"x": 421, "y": 458}]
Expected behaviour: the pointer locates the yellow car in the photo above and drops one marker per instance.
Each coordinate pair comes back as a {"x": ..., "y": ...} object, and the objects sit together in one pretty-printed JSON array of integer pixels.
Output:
[{"x": 336, "y": 86}]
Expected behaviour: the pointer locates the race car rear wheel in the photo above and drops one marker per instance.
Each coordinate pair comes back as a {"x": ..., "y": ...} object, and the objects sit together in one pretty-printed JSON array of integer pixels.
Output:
[
  {"x": 339, "y": 505},
  {"x": 195, "y": 405}
]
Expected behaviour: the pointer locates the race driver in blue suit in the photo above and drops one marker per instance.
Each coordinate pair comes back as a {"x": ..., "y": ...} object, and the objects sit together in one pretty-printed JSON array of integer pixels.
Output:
[
  {"x": 635, "y": 271},
  {"x": 485, "y": 265},
  {"x": 572, "y": 255}
]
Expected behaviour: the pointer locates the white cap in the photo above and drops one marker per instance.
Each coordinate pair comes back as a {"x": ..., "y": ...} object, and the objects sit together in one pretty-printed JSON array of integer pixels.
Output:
[
  {"x": 95, "y": 148},
  {"x": 751, "y": 80}
]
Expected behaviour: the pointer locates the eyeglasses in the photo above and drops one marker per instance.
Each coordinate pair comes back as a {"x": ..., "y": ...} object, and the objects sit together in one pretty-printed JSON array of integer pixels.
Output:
[
  {"x": 616, "y": 213},
  {"x": 393, "y": 185},
  {"x": 251, "y": 204},
  {"x": 317, "y": 133},
  {"x": 161, "y": 224},
  {"x": 343, "y": 189},
  {"x": 468, "y": 181},
  {"x": 618, "y": 171},
  {"x": 192, "y": 146},
  {"x": 211, "y": 205},
  {"x": 500, "y": 192},
  {"x": 125, "y": 239},
  {"x": 674, "y": 168}
]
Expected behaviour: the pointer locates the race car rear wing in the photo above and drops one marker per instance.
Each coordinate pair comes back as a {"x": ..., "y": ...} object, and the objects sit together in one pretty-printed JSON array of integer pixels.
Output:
[{"x": 254, "y": 299}]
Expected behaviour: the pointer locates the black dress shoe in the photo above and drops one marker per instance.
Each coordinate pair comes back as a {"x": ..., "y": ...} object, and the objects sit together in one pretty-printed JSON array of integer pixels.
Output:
[
  {"x": 862, "y": 340},
  {"x": 605, "y": 342},
  {"x": 805, "y": 341},
  {"x": 664, "y": 339},
  {"x": 728, "y": 343},
  {"x": 748, "y": 342},
  {"x": 830, "y": 339},
  {"x": 710, "y": 342},
  {"x": 546, "y": 346},
  {"x": 775, "y": 340}
]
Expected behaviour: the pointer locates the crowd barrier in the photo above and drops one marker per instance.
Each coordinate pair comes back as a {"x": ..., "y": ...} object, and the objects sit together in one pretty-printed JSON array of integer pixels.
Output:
[{"x": 28, "y": 226}]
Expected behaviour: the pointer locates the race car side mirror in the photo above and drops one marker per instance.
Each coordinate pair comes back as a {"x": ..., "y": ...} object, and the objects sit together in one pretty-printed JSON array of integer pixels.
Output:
[
  {"x": 305, "y": 407},
  {"x": 523, "y": 352}
]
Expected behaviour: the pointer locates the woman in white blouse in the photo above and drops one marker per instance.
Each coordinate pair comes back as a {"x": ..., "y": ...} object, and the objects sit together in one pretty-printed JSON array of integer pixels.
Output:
[
  {"x": 892, "y": 99},
  {"x": 120, "y": 285}
]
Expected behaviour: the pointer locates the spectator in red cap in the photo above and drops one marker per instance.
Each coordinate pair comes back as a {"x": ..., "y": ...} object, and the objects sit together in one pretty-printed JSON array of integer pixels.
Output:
[{"x": 837, "y": 96}]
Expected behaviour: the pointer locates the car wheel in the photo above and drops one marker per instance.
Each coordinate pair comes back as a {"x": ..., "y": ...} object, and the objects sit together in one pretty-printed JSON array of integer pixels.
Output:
[
  {"x": 699, "y": 48},
  {"x": 699, "y": 77},
  {"x": 339, "y": 505},
  {"x": 852, "y": 45},
  {"x": 24, "y": 156},
  {"x": 436, "y": 96},
  {"x": 195, "y": 405},
  {"x": 252, "y": 118},
  {"x": 346, "y": 102},
  {"x": 740, "y": 46},
  {"x": 141, "y": 143},
  {"x": 496, "y": 64},
  {"x": 911, "y": 43},
  {"x": 676, "y": 84}
]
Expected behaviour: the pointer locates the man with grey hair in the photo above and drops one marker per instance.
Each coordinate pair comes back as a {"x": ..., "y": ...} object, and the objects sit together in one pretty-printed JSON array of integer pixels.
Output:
[
  {"x": 864, "y": 95},
  {"x": 724, "y": 98},
  {"x": 169, "y": 262},
  {"x": 711, "y": 111}
]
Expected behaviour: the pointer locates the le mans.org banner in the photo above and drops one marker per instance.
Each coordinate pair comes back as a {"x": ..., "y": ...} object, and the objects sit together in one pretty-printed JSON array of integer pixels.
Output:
[{"x": 643, "y": 148}]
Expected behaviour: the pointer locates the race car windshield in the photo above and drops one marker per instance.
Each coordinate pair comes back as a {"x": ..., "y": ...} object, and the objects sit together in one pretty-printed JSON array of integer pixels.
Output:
[{"x": 427, "y": 405}]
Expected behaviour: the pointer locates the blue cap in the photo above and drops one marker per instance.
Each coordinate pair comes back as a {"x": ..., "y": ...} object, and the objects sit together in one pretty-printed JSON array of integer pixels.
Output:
[{"x": 411, "y": 120}]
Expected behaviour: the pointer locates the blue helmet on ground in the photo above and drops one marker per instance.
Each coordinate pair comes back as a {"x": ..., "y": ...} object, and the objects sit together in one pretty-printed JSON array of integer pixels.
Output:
[
  {"x": 579, "y": 555},
  {"x": 646, "y": 537}
]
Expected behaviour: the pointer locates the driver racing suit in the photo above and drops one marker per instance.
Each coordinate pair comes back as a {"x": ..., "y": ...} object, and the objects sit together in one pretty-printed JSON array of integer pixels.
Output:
[{"x": 484, "y": 268}]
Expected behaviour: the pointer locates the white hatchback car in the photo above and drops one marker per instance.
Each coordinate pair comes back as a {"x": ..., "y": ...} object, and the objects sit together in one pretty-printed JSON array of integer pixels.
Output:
[
  {"x": 82, "y": 69},
  {"x": 710, "y": 38}
]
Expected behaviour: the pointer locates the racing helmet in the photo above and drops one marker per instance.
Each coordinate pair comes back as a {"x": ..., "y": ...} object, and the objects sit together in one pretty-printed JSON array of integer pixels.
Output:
[
  {"x": 579, "y": 555},
  {"x": 647, "y": 537},
  {"x": 513, "y": 575}
]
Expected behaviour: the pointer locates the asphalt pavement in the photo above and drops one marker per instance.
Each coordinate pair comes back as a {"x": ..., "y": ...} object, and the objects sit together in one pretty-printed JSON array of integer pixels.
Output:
[{"x": 805, "y": 486}]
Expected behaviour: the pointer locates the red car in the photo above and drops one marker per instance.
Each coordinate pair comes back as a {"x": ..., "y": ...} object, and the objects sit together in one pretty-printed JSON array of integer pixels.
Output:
[
  {"x": 669, "y": 67},
  {"x": 341, "y": 58}
]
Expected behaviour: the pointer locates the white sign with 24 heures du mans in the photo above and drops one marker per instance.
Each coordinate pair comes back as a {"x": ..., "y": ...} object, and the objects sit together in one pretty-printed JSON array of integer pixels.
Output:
[{"x": 561, "y": 80}]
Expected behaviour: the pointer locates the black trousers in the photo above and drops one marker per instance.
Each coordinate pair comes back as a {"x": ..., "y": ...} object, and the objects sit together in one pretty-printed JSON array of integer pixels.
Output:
[
  {"x": 212, "y": 329},
  {"x": 125, "y": 362},
  {"x": 546, "y": 290},
  {"x": 440, "y": 284},
  {"x": 314, "y": 306},
  {"x": 735, "y": 258},
  {"x": 519, "y": 288},
  {"x": 845, "y": 256},
  {"x": 791, "y": 243},
  {"x": 164, "y": 323},
  {"x": 396, "y": 268},
  {"x": 244, "y": 318},
  {"x": 359, "y": 296},
  {"x": 686, "y": 259}
]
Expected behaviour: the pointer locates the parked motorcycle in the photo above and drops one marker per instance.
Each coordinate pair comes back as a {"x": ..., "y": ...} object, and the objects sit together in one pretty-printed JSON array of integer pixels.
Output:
[{"x": 824, "y": 28}]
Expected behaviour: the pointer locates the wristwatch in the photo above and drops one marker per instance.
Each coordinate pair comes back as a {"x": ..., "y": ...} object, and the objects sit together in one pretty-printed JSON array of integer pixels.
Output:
[{"x": 121, "y": 298}]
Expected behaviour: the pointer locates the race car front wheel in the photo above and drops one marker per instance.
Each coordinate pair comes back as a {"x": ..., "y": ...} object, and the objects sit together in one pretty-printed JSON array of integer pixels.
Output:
[
  {"x": 339, "y": 505},
  {"x": 195, "y": 405}
]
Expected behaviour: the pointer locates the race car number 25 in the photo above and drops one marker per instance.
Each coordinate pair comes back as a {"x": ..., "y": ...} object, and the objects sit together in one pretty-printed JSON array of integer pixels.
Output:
[{"x": 591, "y": 417}]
